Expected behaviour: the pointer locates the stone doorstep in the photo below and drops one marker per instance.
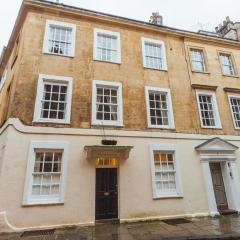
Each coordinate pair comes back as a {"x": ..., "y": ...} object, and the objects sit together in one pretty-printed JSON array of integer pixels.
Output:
[{"x": 206, "y": 237}]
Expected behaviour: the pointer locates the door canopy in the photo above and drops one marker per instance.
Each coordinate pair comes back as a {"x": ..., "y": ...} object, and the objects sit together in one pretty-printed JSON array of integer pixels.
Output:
[
  {"x": 217, "y": 149},
  {"x": 121, "y": 152}
]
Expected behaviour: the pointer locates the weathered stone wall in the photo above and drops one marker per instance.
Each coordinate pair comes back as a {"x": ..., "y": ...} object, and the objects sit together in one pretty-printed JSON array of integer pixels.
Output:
[{"x": 130, "y": 72}]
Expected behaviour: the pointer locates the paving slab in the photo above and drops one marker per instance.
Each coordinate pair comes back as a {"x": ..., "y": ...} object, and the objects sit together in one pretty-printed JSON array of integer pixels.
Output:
[{"x": 227, "y": 227}]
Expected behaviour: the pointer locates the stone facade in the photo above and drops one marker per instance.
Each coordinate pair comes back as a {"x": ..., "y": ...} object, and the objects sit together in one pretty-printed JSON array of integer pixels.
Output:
[{"x": 130, "y": 72}]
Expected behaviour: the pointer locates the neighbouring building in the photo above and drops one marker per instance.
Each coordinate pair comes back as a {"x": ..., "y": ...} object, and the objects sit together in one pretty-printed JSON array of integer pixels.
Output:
[{"x": 104, "y": 117}]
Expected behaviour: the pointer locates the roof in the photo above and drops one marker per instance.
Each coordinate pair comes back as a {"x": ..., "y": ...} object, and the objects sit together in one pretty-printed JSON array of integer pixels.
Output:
[
  {"x": 61, "y": 5},
  {"x": 27, "y": 4}
]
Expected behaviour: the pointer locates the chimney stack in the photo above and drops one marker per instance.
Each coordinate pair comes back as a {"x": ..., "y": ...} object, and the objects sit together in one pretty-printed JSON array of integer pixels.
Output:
[
  {"x": 229, "y": 29},
  {"x": 156, "y": 19}
]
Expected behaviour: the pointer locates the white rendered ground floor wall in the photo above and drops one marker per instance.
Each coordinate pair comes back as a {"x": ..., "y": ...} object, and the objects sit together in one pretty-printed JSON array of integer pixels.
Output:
[{"x": 137, "y": 199}]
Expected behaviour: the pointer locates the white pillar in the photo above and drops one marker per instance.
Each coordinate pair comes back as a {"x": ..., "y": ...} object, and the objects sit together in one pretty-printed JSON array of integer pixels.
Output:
[
  {"x": 236, "y": 185},
  {"x": 209, "y": 188}
]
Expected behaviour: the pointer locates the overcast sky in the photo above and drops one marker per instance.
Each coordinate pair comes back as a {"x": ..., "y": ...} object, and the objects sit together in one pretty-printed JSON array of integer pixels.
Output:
[{"x": 185, "y": 14}]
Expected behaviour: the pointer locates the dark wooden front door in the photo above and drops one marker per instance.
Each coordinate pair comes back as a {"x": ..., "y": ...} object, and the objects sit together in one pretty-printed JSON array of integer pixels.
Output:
[
  {"x": 218, "y": 186},
  {"x": 106, "y": 193}
]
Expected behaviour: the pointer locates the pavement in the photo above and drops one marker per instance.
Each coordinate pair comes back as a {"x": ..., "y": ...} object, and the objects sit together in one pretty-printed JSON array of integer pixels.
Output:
[{"x": 222, "y": 227}]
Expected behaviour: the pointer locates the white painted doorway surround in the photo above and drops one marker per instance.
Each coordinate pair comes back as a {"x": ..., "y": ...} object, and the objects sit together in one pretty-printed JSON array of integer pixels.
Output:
[{"x": 223, "y": 152}]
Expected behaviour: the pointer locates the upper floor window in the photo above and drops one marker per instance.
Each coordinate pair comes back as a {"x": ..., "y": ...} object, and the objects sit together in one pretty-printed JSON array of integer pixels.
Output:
[
  {"x": 166, "y": 181},
  {"x": 227, "y": 64},
  {"x": 154, "y": 55},
  {"x": 234, "y": 101},
  {"x": 107, "y": 103},
  {"x": 3, "y": 78},
  {"x": 208, "y": 110},
  {"x": 59, "y": 38},
  {"x": 198, "y": 61},
  {"x": 159, "y": 107},
  {"x": 45, "y": 173},
  {"x": 53, "y": 100},
  {"x": 107, "y": 46}
]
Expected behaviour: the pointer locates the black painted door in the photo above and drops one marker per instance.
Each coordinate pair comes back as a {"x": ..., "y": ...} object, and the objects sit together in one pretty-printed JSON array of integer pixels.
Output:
[{"x": 106, "y": 193}]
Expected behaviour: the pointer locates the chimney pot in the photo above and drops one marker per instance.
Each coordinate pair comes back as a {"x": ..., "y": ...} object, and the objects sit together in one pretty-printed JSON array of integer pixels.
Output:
[
  {"x": 228, "y": 19},
  {"x": 156, "y": 18}
]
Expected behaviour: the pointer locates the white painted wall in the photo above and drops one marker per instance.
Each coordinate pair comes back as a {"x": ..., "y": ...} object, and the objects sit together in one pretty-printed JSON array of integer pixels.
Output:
[{"x": 135, "y": 195}]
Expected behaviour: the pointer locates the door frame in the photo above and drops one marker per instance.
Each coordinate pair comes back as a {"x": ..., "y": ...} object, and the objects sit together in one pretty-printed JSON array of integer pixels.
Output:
[
  {"x": 118, "y": 189},
  {"x": 231, "y": 182},
  {"x": 223, "y": 185}
]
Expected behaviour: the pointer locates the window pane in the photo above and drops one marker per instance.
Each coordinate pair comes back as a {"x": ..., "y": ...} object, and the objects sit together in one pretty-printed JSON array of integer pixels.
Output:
[
  {"x": 207, "y": 110},
  {"x": 153, "y": 55},
  {"x": 45, "y": 179},
  {"x": 54, "y": 102},
  {"x": 198, "y": 63},
  {"x": 235, "y": 105},
  {"x": 227, "y": 65},
  {"x": 60, "y": 40},
  {"x": 164, "y": 172},
  {"x": 107, "y": 103},
  {"x": 107, "y": 47},
  {"x": 159, "y": 113}
]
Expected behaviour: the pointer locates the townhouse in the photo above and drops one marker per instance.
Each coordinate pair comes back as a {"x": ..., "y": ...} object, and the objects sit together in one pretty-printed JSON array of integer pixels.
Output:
[{"x": 104, "y": 117}]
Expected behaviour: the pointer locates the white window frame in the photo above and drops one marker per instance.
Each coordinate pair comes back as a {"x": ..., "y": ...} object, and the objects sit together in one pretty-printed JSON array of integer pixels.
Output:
[
  {"x": 95, "y": 121},
  {"x": 3, "y": 79},
  {"x": 39, "y": 96},
  {"x": 202, "y": 60},
  {"x": 230, "y": 105},
  {"x": 231, "y": 62},
  {"x": 167, "y": 91},
  {"x": 46, "y": 145},
  {"x": 50, "y": 23},
  {"x": 163, "y": 51},
  {"x": 95, "y": 46},
  {"x": 171, "y": 148},
  {"x": 215, "y": 109}
]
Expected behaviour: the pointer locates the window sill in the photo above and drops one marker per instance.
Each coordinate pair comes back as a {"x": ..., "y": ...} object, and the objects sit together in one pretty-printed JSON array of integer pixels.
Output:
[
  {"x": 167, "y": 197},
  {"x": 161, "y": 127},
  {"x": 233, "y": 76},
  {"x": 60, "y": 55},
  {"x": 52, "y": 121},
  {"x": 105, "y": 124},
  {"x": 217, "y": 128},
  {"x": 157, "y": 69},
  {"x": 105, "y": 61},
  {"x": 34, "y": 204},
  {"x": 204, "y": 72}
]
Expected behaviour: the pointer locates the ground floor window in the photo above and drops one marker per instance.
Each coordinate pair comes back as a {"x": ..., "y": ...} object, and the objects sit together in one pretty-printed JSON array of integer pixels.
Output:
[
  {"x": 45, "y": 173},
  {"x": 165, "y": 174},
  {"x": 165, "y": 171}
]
